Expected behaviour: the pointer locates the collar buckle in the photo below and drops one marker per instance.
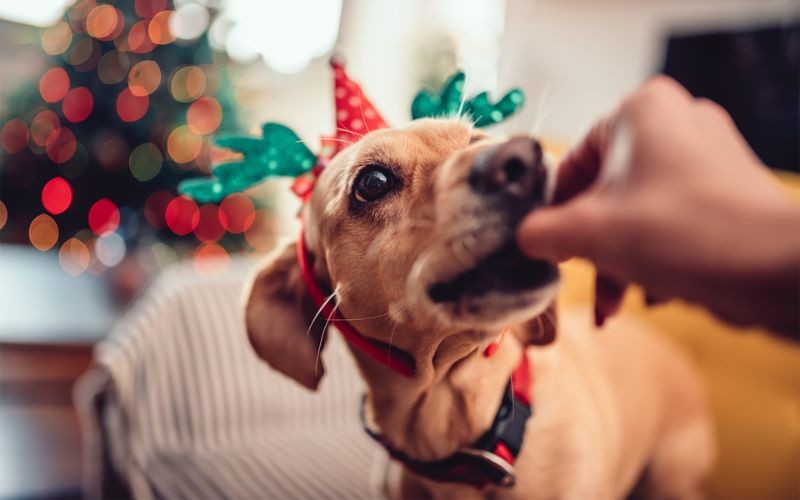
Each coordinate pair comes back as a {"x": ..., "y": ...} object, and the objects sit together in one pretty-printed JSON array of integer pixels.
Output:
[{"x": 501, "y": 473}]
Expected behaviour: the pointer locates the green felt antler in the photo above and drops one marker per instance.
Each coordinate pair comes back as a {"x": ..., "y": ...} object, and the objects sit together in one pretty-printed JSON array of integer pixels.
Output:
[
  {"x": 279, "y": 152},
  {"x": 448, "y": 102}
]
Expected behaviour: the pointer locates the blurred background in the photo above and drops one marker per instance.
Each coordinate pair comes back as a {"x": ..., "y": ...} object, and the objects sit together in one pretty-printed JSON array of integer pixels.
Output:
[{"x": 106, "y": 105}]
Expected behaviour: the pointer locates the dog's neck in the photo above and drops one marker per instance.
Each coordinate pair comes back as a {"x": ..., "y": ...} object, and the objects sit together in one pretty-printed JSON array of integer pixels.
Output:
[{"x": 449, "y": 403}]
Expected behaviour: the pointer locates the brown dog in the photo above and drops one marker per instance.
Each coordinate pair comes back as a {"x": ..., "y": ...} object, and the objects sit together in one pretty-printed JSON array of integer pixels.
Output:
[{"x": 412, "y": 230}]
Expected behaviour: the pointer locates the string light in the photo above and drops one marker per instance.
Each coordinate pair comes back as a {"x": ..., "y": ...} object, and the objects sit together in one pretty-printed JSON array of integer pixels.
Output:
[
  {"x": 77, "y": 105},
  {"x": 183, "y": 145},
  {"x": 209, "y": 228},
  {"x": 131, "y": 108},
  {"x": 103, "y": 217},
  {"x": 54, "y": 85},
  {"x": 56, "y": 195},
  {"x": 182, "y": 215},
  {"x": 236, "y": 213},
  {"x": 138, "y": 38},
  {"x": 104, "y": 22},
  {"x": 187, "y": 83},
  {"x": 43, "y": 232},
  {"x": 155, "y": 206},
  {"x": 60, "y": 145},
  {"x": 149, "y": 8},
  {"x": 113, "y": 67},
  {"x": 14, "y": 136},
  {"x": 204, "y": 115},
  {"x": 210, "y": 258},
  {"x": 158, "y": 28},
  {"x": 84, "y": 55},
  {"x": 261, "y": 236},
  {"x": 145, "y": 161},
  {"x": 144, "y": 78},
  {"x": 3, "y": 214},
  {"x": 110, "y": 249},
  {"x": 189, "y": 21},
  {"x": 111, "y": 152},
  {"x": 74, "y": 256},
  {"x": 43, "y": 125},
  {"x": 57, "y": 38}
]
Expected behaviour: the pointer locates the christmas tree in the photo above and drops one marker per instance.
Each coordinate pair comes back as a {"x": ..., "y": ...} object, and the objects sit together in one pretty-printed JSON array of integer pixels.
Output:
[{"x": 93, "y": 151}]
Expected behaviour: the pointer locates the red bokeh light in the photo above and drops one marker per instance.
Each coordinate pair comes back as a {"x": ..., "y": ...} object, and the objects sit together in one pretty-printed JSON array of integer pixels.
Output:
[
  {"x": 61, "y": 145},
  {"x": 14, "y": 136},
  {"x": 138, "y": 38},
  {"x": 78, "y": 104},
  {"x": 43, "y": 125},
  {"x": 131, "y": 107},
  {"x": 103, "y": 217},
  {"x": 210, "y": 258},
  {"x": 149, "y": 8},
  {"x": 182, "y": 215},
  {"x": 237, "y": 213},
  {"x": 56, "y": 195},
  {"x": 209, "y": 229},
  {"x": 155, "y": 206},
  {"x": 54, "y": 85}
]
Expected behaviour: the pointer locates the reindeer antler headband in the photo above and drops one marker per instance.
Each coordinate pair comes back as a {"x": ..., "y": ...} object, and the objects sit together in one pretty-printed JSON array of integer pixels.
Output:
[{"x": 279, "y": 152}]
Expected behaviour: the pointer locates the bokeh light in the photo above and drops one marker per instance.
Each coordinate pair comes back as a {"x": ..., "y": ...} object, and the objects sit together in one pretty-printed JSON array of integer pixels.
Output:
[
  {"x": 111, "y": 152},
  {"x": 84, "y": 54},
  {"x": 138, "y": 39},
  {"x": 189, "y": 21},
  {"x": 43, "y": 125},
  {"x": 262, "y": 235},
  {"x": 14, "y": 136},
  {"x": 56, "y": 195},
  {"x": 149, "y": 8},
  {"x": 103, "y": 217},
  {"x": 210, "y": 258},
  {"x": 187, "y": 83},
  {"x": 110, "y": 249},
  {"x": 158, "y": 29},
  {"x": 54, "y": 85},
  {"x": 57, "y": 38},
  {"x": 43, "y": 232},
  {"x": 144, "y": 78},
  {"x": 236, "y": 213},
  {"x": 3, "y": 214},
  {"x": 209, "y": 229},
  {"x": 76, "y": 165},
  {"x": 131, "y": 107},
  {"x": 183, "y": 145},
  {"x": 104, "y": 22},
  {"x": 155, "y": 206},
  {"x": 74, "y": 256},
  {"x": 182, "y": 215},
  {"x": 145, "y": 161},
  {"x": 204, "y": 115},
  {"x": 77, "y": 105},
  {"x": 113, "y": 66},
  {"x": 60, "y": 145}
]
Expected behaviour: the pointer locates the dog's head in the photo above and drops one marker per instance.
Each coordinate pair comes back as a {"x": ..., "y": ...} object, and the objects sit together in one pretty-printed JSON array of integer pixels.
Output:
[{"x": 413, "y": 229}]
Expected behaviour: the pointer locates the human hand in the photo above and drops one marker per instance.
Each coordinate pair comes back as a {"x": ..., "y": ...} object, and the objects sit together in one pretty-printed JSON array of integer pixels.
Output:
[{"x": 665, "y": 192}]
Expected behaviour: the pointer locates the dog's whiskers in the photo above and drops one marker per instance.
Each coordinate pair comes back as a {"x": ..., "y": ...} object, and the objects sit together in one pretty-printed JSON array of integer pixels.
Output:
[
  {"x": 320, "y": 308},
  {"x": 325, "y": 327},
  {"x": 353, "y": 132},
  {"x": 541, "y": 110}
]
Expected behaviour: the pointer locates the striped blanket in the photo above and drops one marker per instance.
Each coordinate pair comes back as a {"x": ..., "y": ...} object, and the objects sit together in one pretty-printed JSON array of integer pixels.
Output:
[{"x": 179, "y": 406}]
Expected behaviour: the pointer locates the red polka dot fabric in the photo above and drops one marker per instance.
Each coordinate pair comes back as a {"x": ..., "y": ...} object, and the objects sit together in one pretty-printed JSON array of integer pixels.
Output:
[{"x": 355, "y": 114}]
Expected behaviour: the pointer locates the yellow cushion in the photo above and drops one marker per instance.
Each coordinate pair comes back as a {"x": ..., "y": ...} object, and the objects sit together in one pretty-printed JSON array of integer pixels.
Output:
[{"x": 753, "y": 380}]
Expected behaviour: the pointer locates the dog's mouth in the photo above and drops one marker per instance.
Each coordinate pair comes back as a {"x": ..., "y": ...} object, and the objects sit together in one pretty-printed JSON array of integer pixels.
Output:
[{"x": 505, "y": 271}]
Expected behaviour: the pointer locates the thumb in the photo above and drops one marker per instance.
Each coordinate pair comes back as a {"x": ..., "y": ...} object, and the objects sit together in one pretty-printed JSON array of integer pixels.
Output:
[{"x": 557, "y": 233}]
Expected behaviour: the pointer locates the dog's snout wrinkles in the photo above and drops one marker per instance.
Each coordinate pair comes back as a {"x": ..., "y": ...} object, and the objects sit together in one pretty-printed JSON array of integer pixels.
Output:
[{"x": 512, "y": 169}]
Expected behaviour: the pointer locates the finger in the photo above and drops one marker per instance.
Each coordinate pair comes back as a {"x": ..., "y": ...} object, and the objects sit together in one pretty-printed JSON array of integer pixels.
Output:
[
  {"x": 561, "y": 232},
  {"x": 609, "y": 293},
  {"x": 583, "y": 163}
]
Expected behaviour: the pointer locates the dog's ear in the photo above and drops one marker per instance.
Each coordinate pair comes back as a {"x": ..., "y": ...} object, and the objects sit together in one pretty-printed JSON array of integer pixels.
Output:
[
  {"x": 278, "y": 313},
  {"x": 540, "y": 330}
]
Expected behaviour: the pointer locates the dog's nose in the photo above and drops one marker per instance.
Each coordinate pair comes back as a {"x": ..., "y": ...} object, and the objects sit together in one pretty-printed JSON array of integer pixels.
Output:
[{"x": 512, "y": 169}]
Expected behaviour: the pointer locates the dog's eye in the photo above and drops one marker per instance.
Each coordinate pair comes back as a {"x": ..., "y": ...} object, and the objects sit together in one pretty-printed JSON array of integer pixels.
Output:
[{"x": 372, "y": 183}]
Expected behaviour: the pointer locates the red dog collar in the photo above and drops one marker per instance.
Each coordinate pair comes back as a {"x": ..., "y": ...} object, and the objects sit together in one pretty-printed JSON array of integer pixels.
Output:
[
  {"x": 396, "y": 359},
  {"x": 490, "y": 460}
]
